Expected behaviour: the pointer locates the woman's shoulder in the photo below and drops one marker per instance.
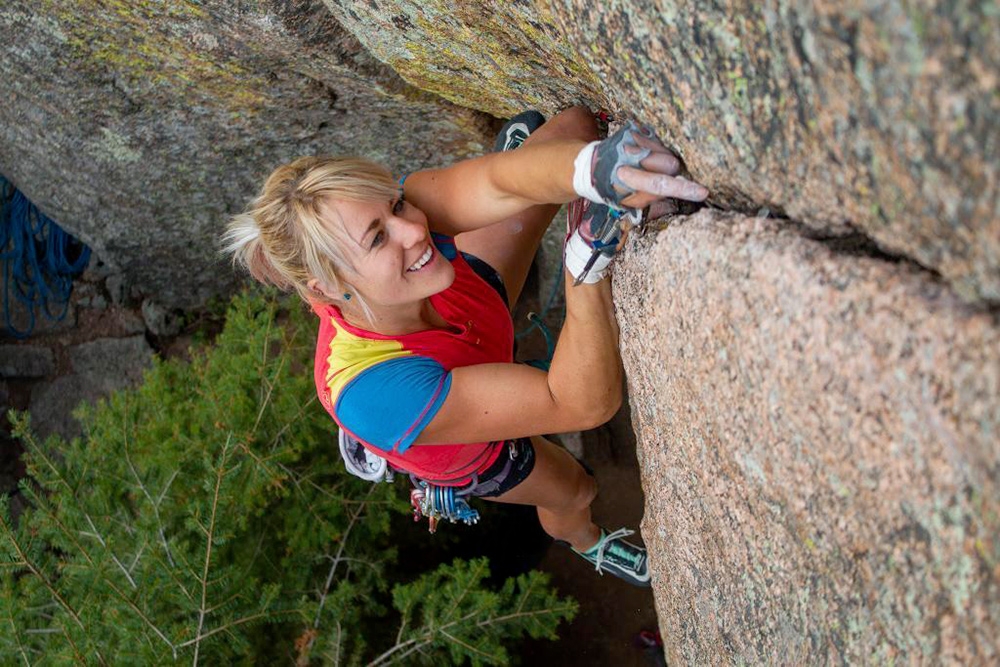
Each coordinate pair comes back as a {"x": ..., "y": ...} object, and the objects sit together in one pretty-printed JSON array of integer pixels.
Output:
[{"x": 390, "y": 402}]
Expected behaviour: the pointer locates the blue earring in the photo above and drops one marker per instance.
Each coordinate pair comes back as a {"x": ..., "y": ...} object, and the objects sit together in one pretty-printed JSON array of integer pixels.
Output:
[{"x": 347, "y": 296}]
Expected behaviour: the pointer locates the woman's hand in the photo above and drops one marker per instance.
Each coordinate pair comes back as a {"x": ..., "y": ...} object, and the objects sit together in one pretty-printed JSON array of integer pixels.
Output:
[{"x": 632, "y": 169}]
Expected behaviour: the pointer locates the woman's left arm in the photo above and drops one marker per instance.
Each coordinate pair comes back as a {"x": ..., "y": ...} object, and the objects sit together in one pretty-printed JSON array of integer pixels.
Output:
[
  {"x": 485, "y": 190},
  {"x": 630, "y": 169}
]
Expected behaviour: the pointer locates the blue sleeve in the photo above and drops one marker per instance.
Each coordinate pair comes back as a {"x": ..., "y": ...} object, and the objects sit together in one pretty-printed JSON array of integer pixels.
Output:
[{"x": 389, "y": 404}]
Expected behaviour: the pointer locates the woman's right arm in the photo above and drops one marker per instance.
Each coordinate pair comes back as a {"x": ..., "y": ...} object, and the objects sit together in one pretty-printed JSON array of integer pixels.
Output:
[{"x": 581, "y": 390}]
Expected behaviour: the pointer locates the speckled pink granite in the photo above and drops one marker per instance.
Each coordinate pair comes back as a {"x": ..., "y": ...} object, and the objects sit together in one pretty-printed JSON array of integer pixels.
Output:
[{"x": 820, "y": 447}]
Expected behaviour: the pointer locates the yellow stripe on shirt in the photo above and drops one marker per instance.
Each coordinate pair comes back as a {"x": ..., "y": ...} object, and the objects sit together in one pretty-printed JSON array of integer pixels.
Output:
[{"x": 350, "y": 355}]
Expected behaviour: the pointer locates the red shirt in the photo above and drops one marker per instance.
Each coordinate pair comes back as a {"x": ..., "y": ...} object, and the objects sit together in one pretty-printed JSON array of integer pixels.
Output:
[{"x": 383, "y": 390}]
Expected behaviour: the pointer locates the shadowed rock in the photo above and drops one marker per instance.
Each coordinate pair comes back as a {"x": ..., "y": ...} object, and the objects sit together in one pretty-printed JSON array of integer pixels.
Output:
[
  {"x": 140, "y": 127},
  {"x": 819, "y": 449},
  {"x": 99, "y": 367}
]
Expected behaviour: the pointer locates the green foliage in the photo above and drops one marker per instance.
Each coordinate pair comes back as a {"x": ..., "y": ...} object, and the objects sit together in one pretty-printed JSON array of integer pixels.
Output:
[
  {"x": 206, "y": 516},
  {"x": 450, "y": 609}
]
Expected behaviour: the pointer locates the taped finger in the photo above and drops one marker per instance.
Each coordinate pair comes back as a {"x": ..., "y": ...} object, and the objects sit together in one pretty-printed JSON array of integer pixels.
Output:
[
  {"x": 662, "y": 185},
  {"x": 664, "y": 163}
]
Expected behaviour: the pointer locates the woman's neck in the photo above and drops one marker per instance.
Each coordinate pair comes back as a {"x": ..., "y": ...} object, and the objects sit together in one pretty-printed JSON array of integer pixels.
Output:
[{"x": 397, "y": 321}]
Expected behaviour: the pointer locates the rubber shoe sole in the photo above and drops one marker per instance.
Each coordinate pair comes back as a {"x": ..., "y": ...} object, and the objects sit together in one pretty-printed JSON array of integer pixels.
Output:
[{"x": 517, "y": 129}]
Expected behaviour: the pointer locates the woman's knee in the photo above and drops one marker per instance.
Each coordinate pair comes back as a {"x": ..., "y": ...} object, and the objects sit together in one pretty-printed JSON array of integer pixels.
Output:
[
  {"x": 572, "y": 123},
  {"x": 582, "y": 492},
  {"x": 587, "y": 490}
]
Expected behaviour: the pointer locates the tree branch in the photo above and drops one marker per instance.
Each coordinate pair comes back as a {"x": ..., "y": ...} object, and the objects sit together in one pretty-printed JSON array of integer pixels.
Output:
[
  {"x": 104, "y": 544},
  {"x": 523, "y": 614},
  {"x": 220, "y": 472},
  {"x": 337, "y": 558},
  {"x": 461, "y": 643},
  {"x": 240, "y": 621},
  {"x": 142, "y": 487},
  {"x": 124, "y": 598}
]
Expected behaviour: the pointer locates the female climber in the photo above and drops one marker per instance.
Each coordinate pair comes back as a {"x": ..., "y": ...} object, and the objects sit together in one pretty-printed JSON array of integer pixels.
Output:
[{"x": 414, "y": 281}]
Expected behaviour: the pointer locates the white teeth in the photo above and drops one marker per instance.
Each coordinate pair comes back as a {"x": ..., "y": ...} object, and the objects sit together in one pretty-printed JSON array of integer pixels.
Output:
[{"x": 426, "y": 257}]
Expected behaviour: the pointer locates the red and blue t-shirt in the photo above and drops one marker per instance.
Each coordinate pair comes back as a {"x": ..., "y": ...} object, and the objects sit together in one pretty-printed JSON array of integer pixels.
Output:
[{"x": 384, "y": 390}]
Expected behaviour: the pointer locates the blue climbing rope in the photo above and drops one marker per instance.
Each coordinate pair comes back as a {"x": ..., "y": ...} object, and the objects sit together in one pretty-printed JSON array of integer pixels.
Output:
[{"x": 40, "y": 260}]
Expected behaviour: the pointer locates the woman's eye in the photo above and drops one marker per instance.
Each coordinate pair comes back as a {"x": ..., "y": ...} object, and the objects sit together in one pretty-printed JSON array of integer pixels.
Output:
[
  {"x": 378, "y": 239},
  {"x": 397, "y": 207}
]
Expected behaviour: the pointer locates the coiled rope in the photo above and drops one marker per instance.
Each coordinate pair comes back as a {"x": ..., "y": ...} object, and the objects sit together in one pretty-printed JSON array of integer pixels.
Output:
[{"x": 40, "y": 260}]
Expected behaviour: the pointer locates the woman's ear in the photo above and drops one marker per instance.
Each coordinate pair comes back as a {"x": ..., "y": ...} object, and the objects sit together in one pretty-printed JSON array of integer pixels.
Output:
[
  {"x": 337, "y": 295},
  {"x": 316, "y": 286}
]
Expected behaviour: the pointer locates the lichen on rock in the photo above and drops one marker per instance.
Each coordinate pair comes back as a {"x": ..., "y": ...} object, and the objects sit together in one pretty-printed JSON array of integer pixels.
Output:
[{"x": 876, "y": 119}]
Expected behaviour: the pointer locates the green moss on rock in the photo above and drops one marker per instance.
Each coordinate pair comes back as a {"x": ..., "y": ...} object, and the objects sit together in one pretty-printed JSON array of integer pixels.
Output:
[{"x": 164, "y": 45}]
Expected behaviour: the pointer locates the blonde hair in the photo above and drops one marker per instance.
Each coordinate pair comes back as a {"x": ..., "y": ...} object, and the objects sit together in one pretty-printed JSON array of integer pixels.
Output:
[{"x": 280, "y": 237}]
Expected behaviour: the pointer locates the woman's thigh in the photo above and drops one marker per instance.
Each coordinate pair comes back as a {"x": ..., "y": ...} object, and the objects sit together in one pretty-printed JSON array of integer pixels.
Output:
[
  {"x": 509, "y": 246},
  {"x": 557, "y": 482}
]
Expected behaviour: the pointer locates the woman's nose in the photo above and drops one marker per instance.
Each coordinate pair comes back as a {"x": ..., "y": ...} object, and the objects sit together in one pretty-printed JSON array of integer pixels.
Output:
[{"x": 409, "y": 231}]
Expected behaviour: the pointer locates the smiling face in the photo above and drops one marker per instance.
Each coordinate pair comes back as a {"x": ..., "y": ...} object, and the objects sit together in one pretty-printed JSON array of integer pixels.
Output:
[{"x": 394, "y": 263}]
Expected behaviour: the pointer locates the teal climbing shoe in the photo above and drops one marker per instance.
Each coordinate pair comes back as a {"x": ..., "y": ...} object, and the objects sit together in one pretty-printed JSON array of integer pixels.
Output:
[{"x": 623, "y": 559}]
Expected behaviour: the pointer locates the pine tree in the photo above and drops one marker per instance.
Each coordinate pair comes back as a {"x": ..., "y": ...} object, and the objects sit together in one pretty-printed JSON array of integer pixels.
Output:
[{"x": 205, "y": 517}]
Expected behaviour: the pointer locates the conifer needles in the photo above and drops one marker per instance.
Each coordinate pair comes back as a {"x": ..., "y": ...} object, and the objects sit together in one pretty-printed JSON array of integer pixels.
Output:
[{"x": 205, "y": 518}]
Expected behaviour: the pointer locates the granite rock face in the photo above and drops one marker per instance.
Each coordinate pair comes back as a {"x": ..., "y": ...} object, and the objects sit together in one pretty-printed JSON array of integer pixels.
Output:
[
  {"x": 819, "y": 441},
  {"x": 878, "y": 117},
  {"x": 140, "y": 127},
  {"x": 25, "y": 361},
  {"x": 99, "y": 367},
  {"x": 163, "y": 117}
]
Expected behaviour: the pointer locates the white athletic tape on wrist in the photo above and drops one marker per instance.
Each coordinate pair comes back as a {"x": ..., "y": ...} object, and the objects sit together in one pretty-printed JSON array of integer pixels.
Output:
[
  {"x": 578, "y": 253},
  {"x": 583, "y": 180}
]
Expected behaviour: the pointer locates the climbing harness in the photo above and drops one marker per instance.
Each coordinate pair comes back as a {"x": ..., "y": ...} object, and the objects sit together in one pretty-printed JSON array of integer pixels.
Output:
[
  {"x": 448, "y": 502},
  {"x": 361, "y": 462},
  {"x": 429, "y": 500},
  {"x": 40, "y": 260},
  {"x": 434, "y": 501}
]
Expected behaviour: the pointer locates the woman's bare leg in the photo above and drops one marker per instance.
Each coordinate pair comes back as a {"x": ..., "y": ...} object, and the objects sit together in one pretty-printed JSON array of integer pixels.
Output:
[
  {"x": 562, "y": 491},
  {"x": 558, "y": 485},
  {"x": 510, "y": 246}
]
